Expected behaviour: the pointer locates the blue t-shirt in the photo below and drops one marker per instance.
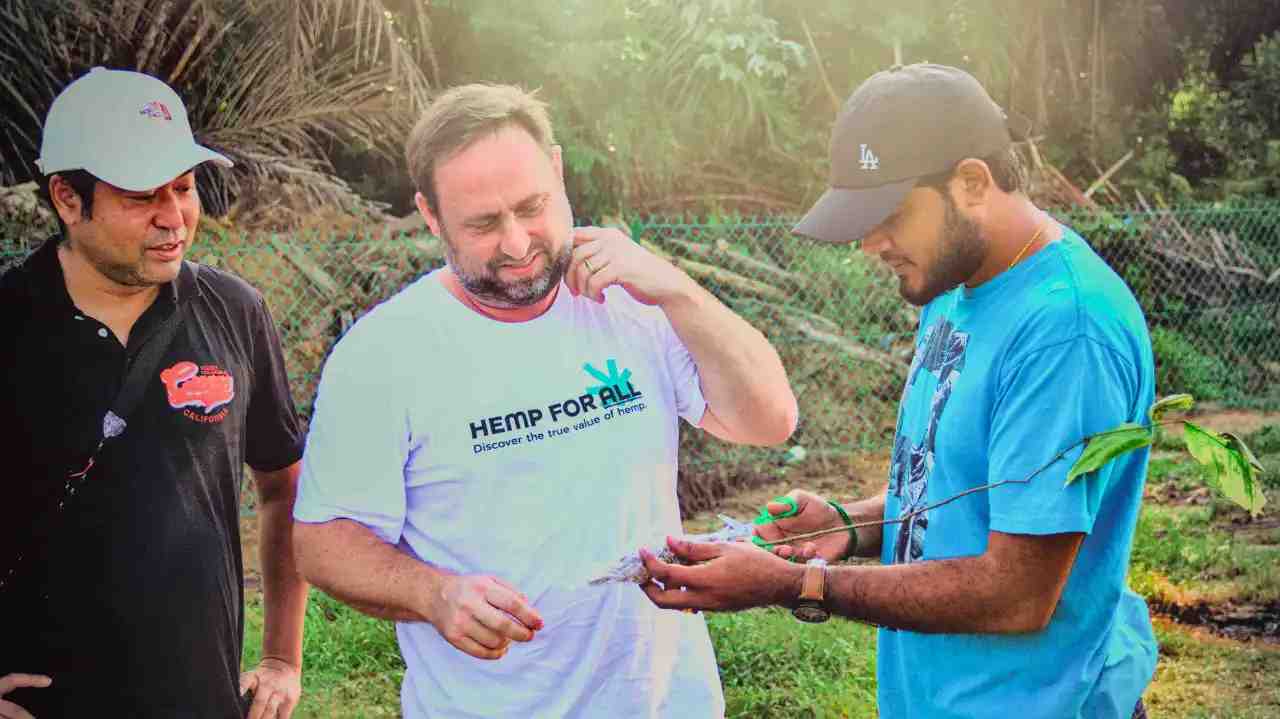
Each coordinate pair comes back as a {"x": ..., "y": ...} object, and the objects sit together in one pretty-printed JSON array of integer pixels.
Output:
[{"x": 1005, "y": 376}]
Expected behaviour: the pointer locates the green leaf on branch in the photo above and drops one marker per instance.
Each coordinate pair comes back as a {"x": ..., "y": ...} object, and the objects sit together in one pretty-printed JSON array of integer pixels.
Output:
[
  {"x": 1172, "y": 403},
  {"x": 1106, "y": 446},
  {"x": 1230, "y": 465}
]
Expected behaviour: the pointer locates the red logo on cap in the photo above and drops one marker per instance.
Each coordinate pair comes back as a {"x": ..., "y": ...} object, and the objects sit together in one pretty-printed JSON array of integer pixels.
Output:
[
  {"x": 190, "y": 385},
  {"x": 156, "y": 109}
]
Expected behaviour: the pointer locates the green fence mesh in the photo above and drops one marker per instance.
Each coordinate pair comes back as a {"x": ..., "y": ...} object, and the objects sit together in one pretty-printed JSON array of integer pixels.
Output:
[{"x": 1208, "y": 278}]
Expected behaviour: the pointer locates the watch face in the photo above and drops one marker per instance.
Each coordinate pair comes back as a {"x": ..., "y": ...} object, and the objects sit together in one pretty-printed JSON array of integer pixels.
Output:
[{"x": 810, "y": 612}]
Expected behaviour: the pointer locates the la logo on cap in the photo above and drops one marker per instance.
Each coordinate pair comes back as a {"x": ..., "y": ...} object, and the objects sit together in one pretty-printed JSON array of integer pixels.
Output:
[
  {"x": 868, "y": 158},
  {"x": 156, "y": 109}
]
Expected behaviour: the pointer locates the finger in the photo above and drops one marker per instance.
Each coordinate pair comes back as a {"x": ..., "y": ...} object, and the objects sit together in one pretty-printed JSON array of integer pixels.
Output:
[
  {"x": 503, "y": 624},
  {"x": 808, "y": 551},
  {"x": 477, "y": 632},
  {"x": 9, "y": 682},
  {"x": 515, "y": 605},
  {"x": 248, "y": 681},
  {"x": 576, "y": 276},
  {"x": 670, "y": 597},
  {"x": 261, "y": 705},
  {"x": 694, "y": 551},
  {"x": 595, "y": 284},
  {"x": 512, "y": 588},
  {"x": 287, "y": 706},
  {"x": 784, "y": 550},
  {"x": 9, "y": 710},
  {"x": 670, "y": 575},
  {"x": 475, "y": 649},
  {"x": 587, "y": 261},
  {"x": 584, "y": 235}
]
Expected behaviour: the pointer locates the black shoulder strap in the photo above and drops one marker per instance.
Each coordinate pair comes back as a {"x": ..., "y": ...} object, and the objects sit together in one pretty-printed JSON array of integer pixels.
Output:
[
  {"x": 144, "y": 366},
  {"x": 114, "y": 422}
]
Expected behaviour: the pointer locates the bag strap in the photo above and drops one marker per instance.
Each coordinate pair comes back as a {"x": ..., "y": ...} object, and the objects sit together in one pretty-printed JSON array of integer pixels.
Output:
[{"x": 144, "y": 365}]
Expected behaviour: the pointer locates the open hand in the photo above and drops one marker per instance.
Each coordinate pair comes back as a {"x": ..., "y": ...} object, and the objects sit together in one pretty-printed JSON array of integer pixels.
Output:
[
  {"x": 603, "y": 256},
  {"x": 276, "y": 686},
  {"x": 482, "y": 615}
]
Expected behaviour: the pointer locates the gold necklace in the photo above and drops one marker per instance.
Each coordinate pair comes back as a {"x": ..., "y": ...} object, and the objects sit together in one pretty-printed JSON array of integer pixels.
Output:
[{"x": 1030, "y": 242}]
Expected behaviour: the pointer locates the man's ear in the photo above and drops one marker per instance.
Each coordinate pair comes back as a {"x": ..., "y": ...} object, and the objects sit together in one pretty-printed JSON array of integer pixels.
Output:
[
  {"x": 972, "y": 183},
  {"x": 433, "y": 222},
  {"x": 557, "y": 161},
  {"x": 66, "y": 201}
]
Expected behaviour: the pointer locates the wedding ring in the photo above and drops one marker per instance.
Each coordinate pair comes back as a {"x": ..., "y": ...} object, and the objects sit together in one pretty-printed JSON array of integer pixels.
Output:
[{"x": 590, "y": 269}]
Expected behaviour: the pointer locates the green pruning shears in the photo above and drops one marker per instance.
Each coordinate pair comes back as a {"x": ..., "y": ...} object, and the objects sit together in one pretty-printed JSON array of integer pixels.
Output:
[{"x": 765, "y": 518}]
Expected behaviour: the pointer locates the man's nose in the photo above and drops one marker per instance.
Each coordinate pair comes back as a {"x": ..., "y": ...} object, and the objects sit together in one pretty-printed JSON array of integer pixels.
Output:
[
  {"x": 515, "y": 240},
  {"x": 169, "y": 211}
]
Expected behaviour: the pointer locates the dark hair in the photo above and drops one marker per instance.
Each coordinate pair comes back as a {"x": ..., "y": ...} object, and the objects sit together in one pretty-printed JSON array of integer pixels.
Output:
[
  {"x": 82, "y": 183},
  {"x": 1006, "y": 167}
]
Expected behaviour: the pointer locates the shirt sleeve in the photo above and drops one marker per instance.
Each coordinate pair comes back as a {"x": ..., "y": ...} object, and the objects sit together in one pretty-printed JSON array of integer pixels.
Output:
[
  {"x": 273, "y": 435},
  {"x": 1049, "y": 400},
  {"x": 685, "y": 380},
  {"x": 358, "y": 443}
]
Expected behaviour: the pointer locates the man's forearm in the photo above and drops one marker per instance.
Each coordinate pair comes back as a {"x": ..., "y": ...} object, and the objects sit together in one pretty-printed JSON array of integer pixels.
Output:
[
  {"x": 743, "y": 379},
  {"x": 348, "y": 561},
  {"x": 1012, "y": 588},
  {"x": 284, "y": 591}
]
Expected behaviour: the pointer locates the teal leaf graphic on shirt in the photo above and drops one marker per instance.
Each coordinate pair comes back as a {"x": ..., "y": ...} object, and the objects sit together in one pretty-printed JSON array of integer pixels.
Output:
[{"x": 613, "y": 380}]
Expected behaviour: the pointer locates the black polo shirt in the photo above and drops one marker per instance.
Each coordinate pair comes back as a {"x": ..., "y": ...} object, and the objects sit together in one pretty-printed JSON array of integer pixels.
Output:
[{"x": 132, "y": 598}]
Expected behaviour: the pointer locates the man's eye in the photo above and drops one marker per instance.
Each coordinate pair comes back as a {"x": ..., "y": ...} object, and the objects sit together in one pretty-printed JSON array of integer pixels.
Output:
[{"x": 532, "y": 210}]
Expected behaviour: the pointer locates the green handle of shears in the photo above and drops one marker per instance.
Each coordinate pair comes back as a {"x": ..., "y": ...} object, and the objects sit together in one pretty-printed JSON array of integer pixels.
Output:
[{"x": 764, "y": 518}]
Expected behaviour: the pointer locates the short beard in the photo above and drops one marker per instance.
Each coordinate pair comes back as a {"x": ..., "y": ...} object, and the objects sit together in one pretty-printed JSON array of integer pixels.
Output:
[
  {"x": 962, "y": 250},
  {"x": 494, "y": 292}
]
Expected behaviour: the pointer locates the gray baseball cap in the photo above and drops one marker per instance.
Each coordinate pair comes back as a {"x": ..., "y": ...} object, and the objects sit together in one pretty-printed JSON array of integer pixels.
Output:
[
  {"x": 900, "y": 125},
  {"x": 125, "y": 128}
]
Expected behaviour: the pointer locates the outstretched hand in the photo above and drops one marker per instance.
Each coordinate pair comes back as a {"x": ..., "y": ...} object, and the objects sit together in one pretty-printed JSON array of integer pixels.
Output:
[{"x": 724, "y": 577}]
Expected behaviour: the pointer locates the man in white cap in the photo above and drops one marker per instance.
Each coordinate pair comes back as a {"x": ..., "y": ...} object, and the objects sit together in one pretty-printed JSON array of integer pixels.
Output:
[
  {"x": 136, "y": 387},
  {"x": 1007, "y": 599}
]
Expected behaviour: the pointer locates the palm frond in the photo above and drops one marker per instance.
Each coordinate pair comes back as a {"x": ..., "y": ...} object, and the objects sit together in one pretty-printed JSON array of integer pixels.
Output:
[{"x": 344, "y": 73}]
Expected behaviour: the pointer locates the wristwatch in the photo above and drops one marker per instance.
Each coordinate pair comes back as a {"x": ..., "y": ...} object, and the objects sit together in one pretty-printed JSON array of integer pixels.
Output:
[{"x": 812, "y": 590}]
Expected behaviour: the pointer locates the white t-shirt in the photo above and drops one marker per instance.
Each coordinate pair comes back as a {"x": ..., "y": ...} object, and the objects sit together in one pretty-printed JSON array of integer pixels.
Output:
[{"x": 537, "y": 452}]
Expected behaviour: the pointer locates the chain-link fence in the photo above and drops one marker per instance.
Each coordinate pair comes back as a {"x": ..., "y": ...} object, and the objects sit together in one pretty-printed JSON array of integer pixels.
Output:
[{"x": 1208, "y": 278}]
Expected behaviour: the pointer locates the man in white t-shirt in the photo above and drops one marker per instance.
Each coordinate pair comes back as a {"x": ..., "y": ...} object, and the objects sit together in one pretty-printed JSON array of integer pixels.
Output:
[{"x": 504, "y": 427}]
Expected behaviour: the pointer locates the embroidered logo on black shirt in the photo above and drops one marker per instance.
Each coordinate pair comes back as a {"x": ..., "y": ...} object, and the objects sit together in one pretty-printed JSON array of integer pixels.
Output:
[{"x": 206, "y": 387}]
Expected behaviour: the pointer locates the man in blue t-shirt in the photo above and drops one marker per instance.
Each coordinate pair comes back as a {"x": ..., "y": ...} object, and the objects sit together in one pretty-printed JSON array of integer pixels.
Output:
[{"x": 1012, "y": 596}]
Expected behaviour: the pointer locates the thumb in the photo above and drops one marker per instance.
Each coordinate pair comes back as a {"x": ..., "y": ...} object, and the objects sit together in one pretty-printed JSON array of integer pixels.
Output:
[
  {"x": 694, "y": 551},
  {"x": 776, "y": 508}
]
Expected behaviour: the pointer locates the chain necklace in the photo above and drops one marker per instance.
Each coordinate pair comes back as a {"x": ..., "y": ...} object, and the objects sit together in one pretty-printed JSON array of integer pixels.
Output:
[{"x": 1030, "y": 242}]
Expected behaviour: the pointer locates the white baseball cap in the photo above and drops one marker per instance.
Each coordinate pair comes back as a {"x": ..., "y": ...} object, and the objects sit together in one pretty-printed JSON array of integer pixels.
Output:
[{"x": 125, "y": 128}]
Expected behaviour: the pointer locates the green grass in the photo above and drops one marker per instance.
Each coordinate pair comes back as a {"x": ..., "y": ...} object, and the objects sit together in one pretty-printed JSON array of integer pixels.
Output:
[
  {"x": 1184, "y": 546},
  {"x": 773, "y": 666},
  {"x": 1199, "y": 677}
]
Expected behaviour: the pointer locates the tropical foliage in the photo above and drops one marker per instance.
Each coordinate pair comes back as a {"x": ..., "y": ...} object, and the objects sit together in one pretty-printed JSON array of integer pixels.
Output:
[{"x": 716, "y": 105}]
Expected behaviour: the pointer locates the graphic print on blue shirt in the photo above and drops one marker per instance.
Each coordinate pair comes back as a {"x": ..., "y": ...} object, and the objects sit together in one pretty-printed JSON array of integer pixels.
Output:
[{"x": 941, "y": 354}]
